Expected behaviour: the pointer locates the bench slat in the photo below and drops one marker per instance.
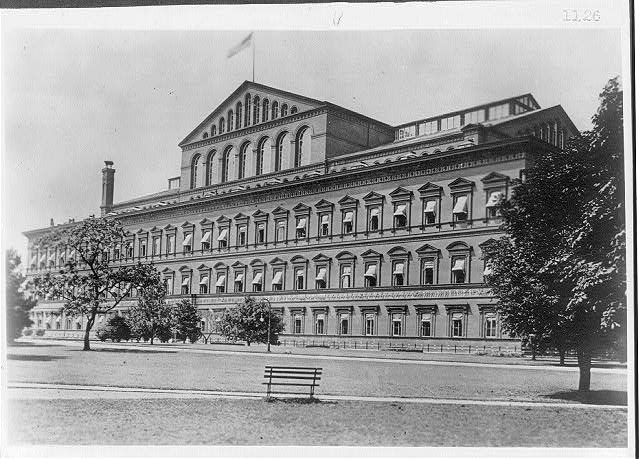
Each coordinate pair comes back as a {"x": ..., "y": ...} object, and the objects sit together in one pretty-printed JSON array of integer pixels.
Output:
[
  {"x": 290, "y": 384},
  {"x": 292, "y": 377},
  {"x": 292, "y": 368},
  {"x": 280, "y": 372}
]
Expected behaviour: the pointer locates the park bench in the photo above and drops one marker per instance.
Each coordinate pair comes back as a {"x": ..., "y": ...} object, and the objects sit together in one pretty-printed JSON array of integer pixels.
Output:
[{"x": 291, "y": 377}]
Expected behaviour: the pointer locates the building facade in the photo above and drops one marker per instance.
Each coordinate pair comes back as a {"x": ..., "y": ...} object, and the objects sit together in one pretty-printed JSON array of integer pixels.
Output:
[{"x": 353, "y": 229}]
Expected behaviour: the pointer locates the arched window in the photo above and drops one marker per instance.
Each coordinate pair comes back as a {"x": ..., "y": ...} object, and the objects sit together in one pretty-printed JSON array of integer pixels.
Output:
[
  {"x": 242, "y": 160},
  {"x": 221, "y": 125},
  {"x": 229, "y": 120},
  {"x": 301, "y": 141},
  {"x": 274, "y": 110},
  {"x": 265, "y": 110},
  {"x": 205, "y": 135},
  {"x": 280, "y": 149},
  {"x": 284, "y": 110},
  {"x": 238, "y": 115},
  {"x": 260, "y": 154},
  {"x": 247, "y": 109},
  {"x": 294, "y": 110},
  {"x": 226, "y": 160},
  {"x": 256, "y": 110},
  {"x": 213, "y": 130},
  {"x": 194, "y": 171},
  {"x": 210, "y": 160}
]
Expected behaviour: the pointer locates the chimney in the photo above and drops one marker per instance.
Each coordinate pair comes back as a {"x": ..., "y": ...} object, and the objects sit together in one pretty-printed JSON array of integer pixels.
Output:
[
  {"x": 107, "y": 188},
  {"x": 51, "y": 222}
]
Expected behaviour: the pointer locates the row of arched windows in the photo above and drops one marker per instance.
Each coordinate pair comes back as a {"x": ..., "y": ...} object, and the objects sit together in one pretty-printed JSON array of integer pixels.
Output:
[
  {"x": 263, "y": 110},
  {"x": 301, "y": 155}
]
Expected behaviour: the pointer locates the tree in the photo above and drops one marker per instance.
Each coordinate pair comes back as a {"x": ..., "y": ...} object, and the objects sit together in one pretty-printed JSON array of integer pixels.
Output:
[
  {"x": 244, "y": 322},
  {"x": 560, "y": 273},
  {"x": 90, "y": 283},
  {"x": 151, "y": 314},
  {"x": 18, "y": 305},
  {"x": 186, "y": 321},
  {"x": 116, "y": 329}
]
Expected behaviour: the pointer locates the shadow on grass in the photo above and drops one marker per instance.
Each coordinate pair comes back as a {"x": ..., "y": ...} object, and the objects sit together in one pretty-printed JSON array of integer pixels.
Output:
[
  {"x": 128, "y": 351},
  {"x": 299, "y": 400},
  {"x": 34, "y": 358},
  {"x": 30, "y": 344},
  {"x": 594, "y": 397}
]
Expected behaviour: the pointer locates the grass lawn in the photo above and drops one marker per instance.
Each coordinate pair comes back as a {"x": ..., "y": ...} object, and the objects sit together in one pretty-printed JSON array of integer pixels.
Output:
[
  {"x": 257, "y": 422},
  {"x": 243, "y": 372}
]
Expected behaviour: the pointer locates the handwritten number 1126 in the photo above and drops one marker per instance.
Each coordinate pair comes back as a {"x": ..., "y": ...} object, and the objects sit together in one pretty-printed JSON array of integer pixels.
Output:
[{"x": 580, "y": 16}]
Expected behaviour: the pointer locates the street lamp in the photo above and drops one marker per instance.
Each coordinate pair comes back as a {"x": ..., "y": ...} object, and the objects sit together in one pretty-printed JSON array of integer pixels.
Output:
[{"x": 268, "y": 325}]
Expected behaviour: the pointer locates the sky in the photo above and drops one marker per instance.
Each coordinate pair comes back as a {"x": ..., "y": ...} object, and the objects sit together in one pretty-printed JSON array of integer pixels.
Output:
[{"x": 72, "y": 98}]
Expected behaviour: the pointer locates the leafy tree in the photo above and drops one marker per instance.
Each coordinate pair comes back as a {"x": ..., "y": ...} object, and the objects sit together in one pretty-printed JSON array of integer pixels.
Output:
[
  {"x": 560, "y": 275},
  {"x": 116, "y": 329},
  {"x": 186, "y": 320},
  {"x": 18, "y": 305},
  {"x": 151, "y": 314},
  {"x": 90, "y": 283},
  {"x": 244, "y": 323}
]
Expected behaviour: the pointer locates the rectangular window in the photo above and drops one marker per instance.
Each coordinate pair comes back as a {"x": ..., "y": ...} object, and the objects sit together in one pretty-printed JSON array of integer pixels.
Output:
[
  {"x": 460, "y": 208},
  {"x": 324, "y": 225},
  {"x": 425, "y": 325},
  {"x": 428, "y": 127},
  {"x": 223, "y": 238},
  {"x": 242, "y": 236},
  {"x": 238, "y": 282},
  {"x": 301, "y": 228},
  {"x": 168, "y": 285},
  {"x": 281, "y": 231},
  {"x": 458, "y": 270},
  {"x": 452, "y": 122},
  {"x": 260, "y": 233},
  {"x": 374, "y": 219},
  {"x": 143, "y": 248},
  {"x": 498, "y": 111},
  {"x": 116, "y": 255},
  {"x": 257, "y": 281},
  {"x": 186, "y": 244},
  {"x": 344, "y": 324},
  {"x": 370, "y": 275},
  {"x": 297, "y": 324},
  {"x": 345, "y": 276},
  {"x": 170, "y": 245},
  {"x": 456, "y": 325},
  {"x": 299, "y": 279},
  {"x": 221, "y": 283},
  {"x": 156, "y": 246},
  {"x": 185, "y": 285},
  {"x": 320, "y": 324},
  {"x": 493, "y": 202},
  {"x": 370, "y": 324},
  {"x": 347, "y": 222},
  {"x": 206, "y": 240},
  {"x": 474, "y": 117},
  {"x": 490, "y": 326},
  {"x": 398, "y": 274},
  {"x": 204, "y": 284},
  {"x": 396, "y": 324},
  {"x": 430, "y": 211},
  {"x": 321, "y": 277},
  {"x": 400, "y": 216},
  {"x": 276, "y": 283},
  {"x": 428, "y": 271}
]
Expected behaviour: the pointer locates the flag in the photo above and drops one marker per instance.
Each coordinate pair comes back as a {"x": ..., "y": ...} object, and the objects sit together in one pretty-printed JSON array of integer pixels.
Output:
[{"x": 240, "y": 46}]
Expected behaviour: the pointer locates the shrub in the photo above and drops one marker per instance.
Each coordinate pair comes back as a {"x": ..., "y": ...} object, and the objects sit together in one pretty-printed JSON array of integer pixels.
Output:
[
  {"x": 39, "y": 332},
  {"x": 27, "y": 332}
]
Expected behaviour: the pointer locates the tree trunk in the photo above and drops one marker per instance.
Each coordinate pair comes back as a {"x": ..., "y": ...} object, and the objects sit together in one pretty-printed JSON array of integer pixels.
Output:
[
  {"x": 153, "y": 333},
  {"x": 561, "y": 351},
  {"x": 584, "y": 363},
  {"x": 87, "y": 331}
]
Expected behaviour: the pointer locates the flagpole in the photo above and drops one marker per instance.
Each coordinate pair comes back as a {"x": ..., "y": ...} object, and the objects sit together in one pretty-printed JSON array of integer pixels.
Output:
[{"x": 253, "y": 62}]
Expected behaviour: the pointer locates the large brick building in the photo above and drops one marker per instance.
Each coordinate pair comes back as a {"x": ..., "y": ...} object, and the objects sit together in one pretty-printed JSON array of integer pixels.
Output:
[{"x": 352, "y": 228}]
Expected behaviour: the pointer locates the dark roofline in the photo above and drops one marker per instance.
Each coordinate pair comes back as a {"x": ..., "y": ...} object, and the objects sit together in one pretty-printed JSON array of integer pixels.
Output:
[
  {"x": 497, "y": 123},
  {"x": 467, "y": 109}
]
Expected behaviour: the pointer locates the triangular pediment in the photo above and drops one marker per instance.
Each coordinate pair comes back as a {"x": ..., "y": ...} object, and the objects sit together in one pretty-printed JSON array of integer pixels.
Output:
[
  {"x": 203, "y": 267},
  {"x": 260, "y": 214},
  {"x": 222, "y": 220},
  {"x": 184, "y": 268},
  {"x": 495, "y": 177},
  {"x": 250, "y": 91},
  {"x": 400, "y": 193},
  {"x": 241, "y": 217},
  {"x": 280, "y": 211},
  {"x": 321, "y": 257},
  {"x": 187, "y": 225},
  {"x": 461, "y": 182},
  {"x": 324, "y": 204},
  {"x": 277, "y": 261},
  {"x": 167, "y": 270},
  {"x": 302, "y": 209},
  {"x": 345, "y": 255},
  {"x": 238, "y": 264},
  {"x": 298, "y": 259},
  {"x": 430, "y": 187},
  {"x": 373, "y": 196},
  {"x": 205, "y": 222},
  {"x": 348, "y": 201}
]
